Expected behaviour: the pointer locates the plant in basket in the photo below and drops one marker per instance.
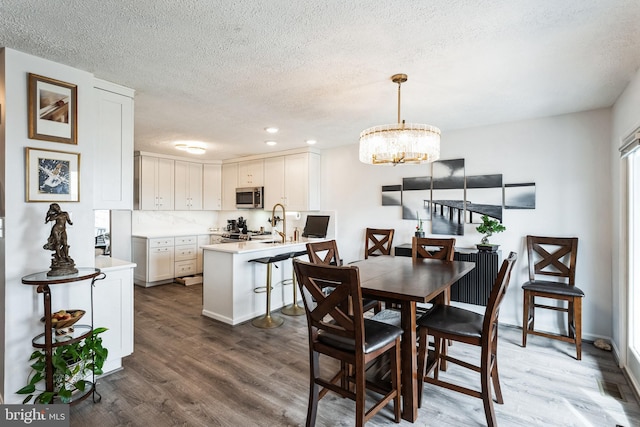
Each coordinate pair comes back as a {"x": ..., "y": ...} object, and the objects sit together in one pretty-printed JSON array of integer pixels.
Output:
[{"x": 72, "y": 363}]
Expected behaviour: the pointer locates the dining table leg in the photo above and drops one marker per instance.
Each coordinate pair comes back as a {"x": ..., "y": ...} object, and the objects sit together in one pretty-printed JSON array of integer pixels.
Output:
[{"x": 409, "y": 363}]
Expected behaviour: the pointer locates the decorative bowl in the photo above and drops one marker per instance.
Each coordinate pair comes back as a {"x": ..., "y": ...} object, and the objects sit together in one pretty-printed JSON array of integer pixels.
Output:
[{"x": 65, "y": 318}]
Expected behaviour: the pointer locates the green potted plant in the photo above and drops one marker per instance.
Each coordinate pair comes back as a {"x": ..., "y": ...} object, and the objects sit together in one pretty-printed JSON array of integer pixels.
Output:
[
  {"x": 488, "y": 228},
  {"x": 72, "y": 363},
  {"x": 419, "y": 230}
]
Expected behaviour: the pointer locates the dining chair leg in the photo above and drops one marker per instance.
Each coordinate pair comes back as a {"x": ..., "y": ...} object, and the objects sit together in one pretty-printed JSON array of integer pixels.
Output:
[
  {"x": 525, "y": 317},
  {"x": 495, "y": 375},
  {"x": 396, "y": 382},
  {"x": 312, "y": 409},
  {"x": 360, "y": 393},
  {"x": 422, "y": 361},
  {"x": 487, "y": 399},
  {"x": 578, "y": 322}
]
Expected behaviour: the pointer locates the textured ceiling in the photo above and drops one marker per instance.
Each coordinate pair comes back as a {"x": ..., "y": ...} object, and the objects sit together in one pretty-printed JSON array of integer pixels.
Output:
[{"x": 220, "y": 71}]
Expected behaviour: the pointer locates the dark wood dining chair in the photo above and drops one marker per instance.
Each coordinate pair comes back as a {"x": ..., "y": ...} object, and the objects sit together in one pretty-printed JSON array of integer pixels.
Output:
[
  {"x": 378, "y": 241},
  {"x": 446, "y": 322},
  {"x": 436, "y": 248},
  {"x": 347, "y": 337},
  {"x": 553, "y": 257},
  {"x": 326, "y": 253},
  {"x": 429, "y": 247}
]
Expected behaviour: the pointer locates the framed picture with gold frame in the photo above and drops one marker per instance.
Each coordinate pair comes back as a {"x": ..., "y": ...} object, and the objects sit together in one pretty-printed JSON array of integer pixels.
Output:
[
  {"x": 53, "y": 110},
  {"x": 52, "y": 176}
]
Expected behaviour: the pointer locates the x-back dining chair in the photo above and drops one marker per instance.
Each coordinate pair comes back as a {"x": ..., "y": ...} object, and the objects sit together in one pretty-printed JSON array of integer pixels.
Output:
[
  {"x": 378, "y": 241},
  {"x": 326, "y": 253},
  {"x": 348, "y": 337},
  {"x": 445, "y": 322},
  {"x": 553, "y": 257}
]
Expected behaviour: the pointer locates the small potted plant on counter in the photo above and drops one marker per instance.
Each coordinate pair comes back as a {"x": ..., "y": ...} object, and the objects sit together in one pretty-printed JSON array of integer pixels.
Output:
[
  {"x": 419, "y": 230},
  {"x": 488, "y": 228}
]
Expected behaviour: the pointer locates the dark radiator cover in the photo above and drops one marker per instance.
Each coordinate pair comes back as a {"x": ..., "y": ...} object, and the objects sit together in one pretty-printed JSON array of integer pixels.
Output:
[{"x": 475, "y": 287}]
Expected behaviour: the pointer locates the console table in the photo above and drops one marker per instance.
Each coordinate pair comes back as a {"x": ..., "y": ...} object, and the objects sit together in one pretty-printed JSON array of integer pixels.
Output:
[{"x": 475, "y": 287}]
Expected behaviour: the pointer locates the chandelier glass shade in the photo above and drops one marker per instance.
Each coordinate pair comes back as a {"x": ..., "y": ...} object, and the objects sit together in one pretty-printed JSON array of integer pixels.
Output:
[{"x": 400, "y": 143}]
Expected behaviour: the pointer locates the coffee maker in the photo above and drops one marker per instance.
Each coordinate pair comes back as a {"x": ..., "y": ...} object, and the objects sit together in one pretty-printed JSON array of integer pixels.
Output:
[{"x": 231, "y": 225}]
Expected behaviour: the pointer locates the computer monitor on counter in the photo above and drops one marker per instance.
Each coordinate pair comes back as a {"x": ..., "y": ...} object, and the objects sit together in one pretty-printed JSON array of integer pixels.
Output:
[{"x": 316, "y": 226}]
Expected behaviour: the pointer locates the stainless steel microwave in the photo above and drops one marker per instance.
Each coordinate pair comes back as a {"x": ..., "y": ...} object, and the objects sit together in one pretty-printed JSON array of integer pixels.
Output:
[{"x": 249, "y": 198}]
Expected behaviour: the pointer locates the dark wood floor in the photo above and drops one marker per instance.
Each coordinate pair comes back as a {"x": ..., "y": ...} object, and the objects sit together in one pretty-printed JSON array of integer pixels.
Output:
[{"x": 189, "y": 370}]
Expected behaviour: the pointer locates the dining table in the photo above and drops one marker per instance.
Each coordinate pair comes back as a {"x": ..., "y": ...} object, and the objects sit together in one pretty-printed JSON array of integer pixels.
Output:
[{"x": 405, "y": 283}]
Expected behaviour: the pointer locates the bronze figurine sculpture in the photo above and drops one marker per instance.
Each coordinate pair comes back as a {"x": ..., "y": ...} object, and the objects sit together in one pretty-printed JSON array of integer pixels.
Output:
[{"x": 61, "y": 263}]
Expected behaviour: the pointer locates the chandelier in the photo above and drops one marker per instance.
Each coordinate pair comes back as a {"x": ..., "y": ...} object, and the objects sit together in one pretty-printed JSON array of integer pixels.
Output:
[{"x": 401, "y": 142}]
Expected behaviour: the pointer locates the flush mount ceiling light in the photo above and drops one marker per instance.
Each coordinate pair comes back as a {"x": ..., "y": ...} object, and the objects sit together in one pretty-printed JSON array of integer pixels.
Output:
[
  {"x": 401, "y": 142},
  {"x": 311, "y": 141},
  {"x": 190, "y": 148},
  {"x": 271, "y": 129},
  {"x": 270, "y": 142}
]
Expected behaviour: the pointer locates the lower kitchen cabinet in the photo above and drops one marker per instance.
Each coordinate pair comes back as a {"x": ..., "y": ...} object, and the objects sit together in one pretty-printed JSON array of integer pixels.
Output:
[{"x": 155, "y": 260}]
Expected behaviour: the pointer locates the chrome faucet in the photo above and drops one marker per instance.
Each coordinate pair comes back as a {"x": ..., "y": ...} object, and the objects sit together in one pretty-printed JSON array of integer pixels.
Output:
[{"x": 283, "y": 235}]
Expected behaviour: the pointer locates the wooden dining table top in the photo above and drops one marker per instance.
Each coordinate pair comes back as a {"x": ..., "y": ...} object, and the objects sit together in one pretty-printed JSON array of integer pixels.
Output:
[{"x": 402, "y": 279}]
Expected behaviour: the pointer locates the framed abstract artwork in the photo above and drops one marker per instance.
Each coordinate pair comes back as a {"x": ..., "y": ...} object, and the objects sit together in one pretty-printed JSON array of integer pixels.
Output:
[
  {"x": 52, "y": 176},
  {"x": 53, "y": 110}
]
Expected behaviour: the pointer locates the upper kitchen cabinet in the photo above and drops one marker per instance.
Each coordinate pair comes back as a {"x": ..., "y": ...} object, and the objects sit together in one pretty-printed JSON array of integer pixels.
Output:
[
  {"x": 229, "y": 185},
  {"x": 251, "y": 173},
  {"x": 188, "y": 186},
  {"x": 153, "y": 183},
  {"x": 113, "y": 163},
  {"x": 294, "y": 181},
  {"x": 212, "y": 187}
]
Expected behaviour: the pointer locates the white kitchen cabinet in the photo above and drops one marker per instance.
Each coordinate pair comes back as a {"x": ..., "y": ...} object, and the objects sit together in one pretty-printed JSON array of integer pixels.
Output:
[
  {"x": 185, "y": 255},
  {"x": 154, "y": 183},
  {"x": 155, "y": 260},
  {"x": 293, "y": 180},
  {"x": 113, "y": 165},
  {"x": 114, "y": 309},
  {"x": 274, "y": 181},
  {"x": 212, "y": 187},
  {"x": 188, "y": 186},
  {"x": 251, "y": 173},
  {"x": 229, "y": 185}
]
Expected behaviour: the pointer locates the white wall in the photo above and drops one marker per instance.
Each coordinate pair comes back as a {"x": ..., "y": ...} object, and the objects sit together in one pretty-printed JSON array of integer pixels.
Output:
[
  {"x": 26, "y": 231},
  {"x": 625, "y": 118},
  {"x": 566, "y": 156}
]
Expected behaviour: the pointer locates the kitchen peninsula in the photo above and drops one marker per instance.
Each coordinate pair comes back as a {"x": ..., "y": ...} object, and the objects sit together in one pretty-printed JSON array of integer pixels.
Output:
[{"x": 230, "y": 279}]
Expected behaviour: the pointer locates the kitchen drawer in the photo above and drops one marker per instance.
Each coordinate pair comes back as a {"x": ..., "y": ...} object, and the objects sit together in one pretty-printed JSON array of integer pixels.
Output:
[
  {"x": 185, "y": 268},
  {"x": 185, "y": 252},
  {"x": 186, "y": 240},
  {"x": 160, "y": 242},
  {"x": 166, "y": 249}
]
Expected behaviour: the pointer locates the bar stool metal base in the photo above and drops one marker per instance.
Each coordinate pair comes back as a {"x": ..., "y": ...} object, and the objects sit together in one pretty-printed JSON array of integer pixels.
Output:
[
  {"x": 267, "y": 321},
  {"x": 293, "y": 310}
]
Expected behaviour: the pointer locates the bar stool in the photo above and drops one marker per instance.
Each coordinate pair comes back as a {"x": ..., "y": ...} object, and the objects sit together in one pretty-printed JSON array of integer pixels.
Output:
[
  {"x": 294, "y": 309},
  {"x": 268, "y": 321}
]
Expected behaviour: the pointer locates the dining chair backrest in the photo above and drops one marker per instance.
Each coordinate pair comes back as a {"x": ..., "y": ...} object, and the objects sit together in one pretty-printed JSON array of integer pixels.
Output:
[
  {"x": 330, "y": 312},
  {"x": 325, "y": 252},
  {"x": 378, "y": 241},
  {"x": 429, "y": 247},
  {"x": 553, "y": 256},
  {"x": 490, "y": 325}
]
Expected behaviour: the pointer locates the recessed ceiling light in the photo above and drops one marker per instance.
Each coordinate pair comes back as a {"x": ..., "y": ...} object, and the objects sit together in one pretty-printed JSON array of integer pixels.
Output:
[
  {"x": 311, "y": 141},
  {"x": 271, "y": 130},
  {"x": 270, "y": 142}
]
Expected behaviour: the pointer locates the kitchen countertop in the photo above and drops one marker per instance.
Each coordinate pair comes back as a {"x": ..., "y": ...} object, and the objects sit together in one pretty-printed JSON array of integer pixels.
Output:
[
  {"x": 259, "y": 245},
  {"x": 176, "y": 233},
  {"x": 106, "y": 263}
]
